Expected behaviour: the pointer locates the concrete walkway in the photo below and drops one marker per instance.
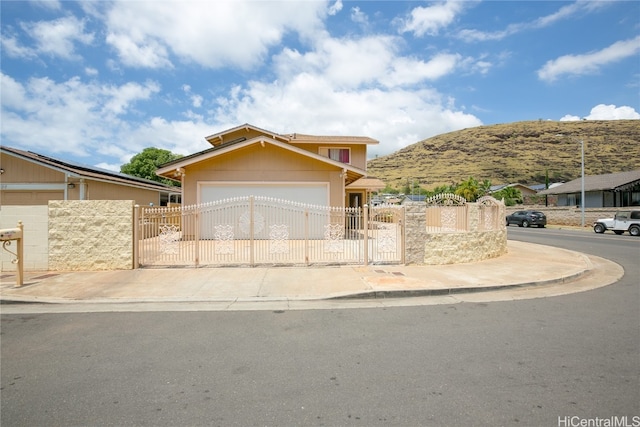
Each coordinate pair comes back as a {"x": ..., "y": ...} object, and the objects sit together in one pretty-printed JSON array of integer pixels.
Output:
[{"x": 527, "y": 271}]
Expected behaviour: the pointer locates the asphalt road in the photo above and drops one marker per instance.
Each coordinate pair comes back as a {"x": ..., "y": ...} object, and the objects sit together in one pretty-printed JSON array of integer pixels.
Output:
[{"x": 553, "y": 361}]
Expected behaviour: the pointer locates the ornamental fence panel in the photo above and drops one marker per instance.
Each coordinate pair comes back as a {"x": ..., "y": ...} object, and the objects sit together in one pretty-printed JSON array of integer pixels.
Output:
[{"x": 257, "y": 230}]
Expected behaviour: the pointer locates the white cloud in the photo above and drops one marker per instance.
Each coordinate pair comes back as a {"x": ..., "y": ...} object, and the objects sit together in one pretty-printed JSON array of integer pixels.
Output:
[
  {"x": 563, "y": 13},
  {"x": 213, "y": 34},
  {"x": 335, "y": 8},
  {"x": 365, "y": 62},
  {"x": 147, "y": 54},
  {"x": 118, "y": 99},
  {"x": 196, "y": 100},
  {"x": 589, "y": 63},
  {"x": 611, "y": 112},
  {"x": 431, "y": 19},
  {"x": 53, "y": 38},
  {"x": 408, "y": 71},
  {"x": 358, "y": 16},
  {"x": 11, "y": 47},
  {"x": 71, "y": 116},
  {"x": 90, "y": 71},
  {"x": 58, "y": 37},
  {"x": 606, "y": 112},
  {"x": 312, "y": 104}
]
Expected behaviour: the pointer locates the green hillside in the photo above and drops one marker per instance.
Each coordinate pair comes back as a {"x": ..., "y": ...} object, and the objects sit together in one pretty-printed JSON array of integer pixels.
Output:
[{"x": 514, "y": 152}]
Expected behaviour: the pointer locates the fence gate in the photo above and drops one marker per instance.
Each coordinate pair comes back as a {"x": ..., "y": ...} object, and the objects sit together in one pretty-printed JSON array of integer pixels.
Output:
[{"x": 264, "y": 231}]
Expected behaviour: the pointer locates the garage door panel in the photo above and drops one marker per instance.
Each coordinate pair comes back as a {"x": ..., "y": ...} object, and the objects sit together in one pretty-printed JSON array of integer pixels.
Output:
[{"x": 310, "y": 193}]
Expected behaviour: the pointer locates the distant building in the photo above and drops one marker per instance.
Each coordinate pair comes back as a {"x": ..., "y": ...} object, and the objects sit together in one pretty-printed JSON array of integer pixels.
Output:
[
  {"x": 601, "y": 191},
  {"x": 525, "y": 190}
]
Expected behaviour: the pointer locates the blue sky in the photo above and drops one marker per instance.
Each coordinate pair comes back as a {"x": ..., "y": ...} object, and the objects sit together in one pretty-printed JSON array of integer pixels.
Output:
[{"x": 97, "y": 82}]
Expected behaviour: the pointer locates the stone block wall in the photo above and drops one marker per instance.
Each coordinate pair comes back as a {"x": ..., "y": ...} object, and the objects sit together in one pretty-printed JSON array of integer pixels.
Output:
[
  {"x": 90, "y": 235},
  {"x": 36, "y": 236},
  {"x": 457, "y": 248},
  {"x": 424, "y": 248}
]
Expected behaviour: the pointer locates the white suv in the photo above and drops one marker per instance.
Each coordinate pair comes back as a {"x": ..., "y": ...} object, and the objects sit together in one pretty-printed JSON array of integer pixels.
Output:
[{"x": 621, "y": 222}]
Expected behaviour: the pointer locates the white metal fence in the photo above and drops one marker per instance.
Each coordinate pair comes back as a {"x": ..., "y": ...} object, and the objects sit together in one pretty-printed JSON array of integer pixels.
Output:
[
  {"x": 447, "y": 213},
  {"x": 258, "y": 230},
  {"x": 450, "y": 213}
]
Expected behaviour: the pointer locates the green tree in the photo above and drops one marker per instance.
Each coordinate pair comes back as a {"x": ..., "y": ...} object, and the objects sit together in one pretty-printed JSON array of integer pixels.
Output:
[
  {"x": 145, "y": 164},
  {"x": 470, "y": 189},
  {"x": 511, "y": 195}
]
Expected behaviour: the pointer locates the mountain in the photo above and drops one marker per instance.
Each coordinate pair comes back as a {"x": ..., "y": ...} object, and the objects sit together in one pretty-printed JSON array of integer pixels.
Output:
[{"x": 514, "y": 152}]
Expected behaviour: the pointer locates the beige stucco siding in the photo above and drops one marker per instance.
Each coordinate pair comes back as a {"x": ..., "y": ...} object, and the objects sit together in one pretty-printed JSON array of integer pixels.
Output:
[
  {"x": 17, "y": 170},
  {"x": 358, "y": 151},
  {"x": 262, "y": 164},
  {"x": 97, "y": 190},
  {"x": 28, "y": 198}
]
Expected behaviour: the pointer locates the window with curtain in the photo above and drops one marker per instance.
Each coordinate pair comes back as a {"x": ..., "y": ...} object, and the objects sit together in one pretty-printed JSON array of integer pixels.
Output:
[{"x": 339, "y": 154}]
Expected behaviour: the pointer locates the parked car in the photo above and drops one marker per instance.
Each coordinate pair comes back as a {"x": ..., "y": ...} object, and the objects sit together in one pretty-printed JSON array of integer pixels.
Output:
[
  {"x": 527, "y": 218},
  {"x": 621, "y": 222}
]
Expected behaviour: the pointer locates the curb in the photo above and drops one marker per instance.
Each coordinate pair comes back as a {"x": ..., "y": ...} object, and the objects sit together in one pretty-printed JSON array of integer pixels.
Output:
[{"x": 458, "y": 291}]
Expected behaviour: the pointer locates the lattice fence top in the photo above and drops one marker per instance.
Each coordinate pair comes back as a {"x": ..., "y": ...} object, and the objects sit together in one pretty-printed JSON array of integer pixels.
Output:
[
  {"x": 488, "y": 201},
  {"x": 242, "y": 200},
  {"x": 446, "y": 199}
]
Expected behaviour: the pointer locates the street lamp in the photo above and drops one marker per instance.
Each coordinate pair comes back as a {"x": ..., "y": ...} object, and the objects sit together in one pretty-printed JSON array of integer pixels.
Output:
[{"x": 582, "y": 200}]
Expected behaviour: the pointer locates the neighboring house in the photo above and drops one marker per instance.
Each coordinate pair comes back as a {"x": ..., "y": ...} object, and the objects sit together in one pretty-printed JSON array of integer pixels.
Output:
[
  {"x": 601, "y": 191},
  {"x": 28, "y": 179},
  {"x": 249, "y": 161},
  {"x": 524, "y": 189}
]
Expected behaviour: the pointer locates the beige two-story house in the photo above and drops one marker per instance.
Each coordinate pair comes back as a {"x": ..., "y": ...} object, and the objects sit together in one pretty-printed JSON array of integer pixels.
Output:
[{"x": 249, "y": 161}]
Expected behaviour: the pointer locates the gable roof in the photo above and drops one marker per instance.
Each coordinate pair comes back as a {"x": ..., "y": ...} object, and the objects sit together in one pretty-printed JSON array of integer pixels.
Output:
[
  {"x": 168, "y": 170},
  {"x": 370, "y": 183},
  {"x": 218, "y": 138},
  {"x": 620, "y": 181},
  {"x": 302, "y": 138},
  {"x": 212, "y": 139},
  {"x": 78, "y": 170}
]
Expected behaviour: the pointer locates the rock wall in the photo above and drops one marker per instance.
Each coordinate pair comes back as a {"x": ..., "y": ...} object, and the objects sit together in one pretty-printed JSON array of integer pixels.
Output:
[
  {"x": 457, "y": 248},
  {"x": 425, "y": 248},
  {"x": 90, "y": 235}
]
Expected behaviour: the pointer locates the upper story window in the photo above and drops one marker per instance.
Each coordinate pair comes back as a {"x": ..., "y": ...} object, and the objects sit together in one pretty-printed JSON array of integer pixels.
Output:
[{"x": 342, "y": 155}]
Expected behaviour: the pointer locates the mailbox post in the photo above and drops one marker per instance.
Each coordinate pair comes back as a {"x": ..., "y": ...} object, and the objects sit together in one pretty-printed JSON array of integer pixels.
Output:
[{"x": 7, "y": 235}]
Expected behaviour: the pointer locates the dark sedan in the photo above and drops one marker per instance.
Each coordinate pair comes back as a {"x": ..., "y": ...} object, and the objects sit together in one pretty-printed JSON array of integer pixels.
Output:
[{"x": 527, "y": 218}]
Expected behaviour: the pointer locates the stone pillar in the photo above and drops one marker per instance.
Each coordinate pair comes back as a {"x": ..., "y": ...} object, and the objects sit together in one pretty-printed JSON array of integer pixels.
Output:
[{"x": 415, "y": 232}]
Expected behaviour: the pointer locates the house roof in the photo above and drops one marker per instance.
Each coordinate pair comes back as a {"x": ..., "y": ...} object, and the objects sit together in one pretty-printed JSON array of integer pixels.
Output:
[
  {"x": 299, "y": 137},
  {"x": 169, "y": 170},
  {"x": 212, "y": 138},
  {"x": 78, "y": 170},
  {"x": 369, "y": 183},
  {"x": 620, "y": 181},
  {"x": 216, "y": 138},
  {"x": 499, "y": 187}
]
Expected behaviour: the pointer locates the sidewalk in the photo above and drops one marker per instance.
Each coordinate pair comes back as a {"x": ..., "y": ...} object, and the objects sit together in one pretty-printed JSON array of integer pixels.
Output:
[{"x": 526, "y": 266}]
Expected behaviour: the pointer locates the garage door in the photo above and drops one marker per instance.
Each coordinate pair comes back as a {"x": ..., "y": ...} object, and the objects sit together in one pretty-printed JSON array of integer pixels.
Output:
[{"x": 310, "y": 193}]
